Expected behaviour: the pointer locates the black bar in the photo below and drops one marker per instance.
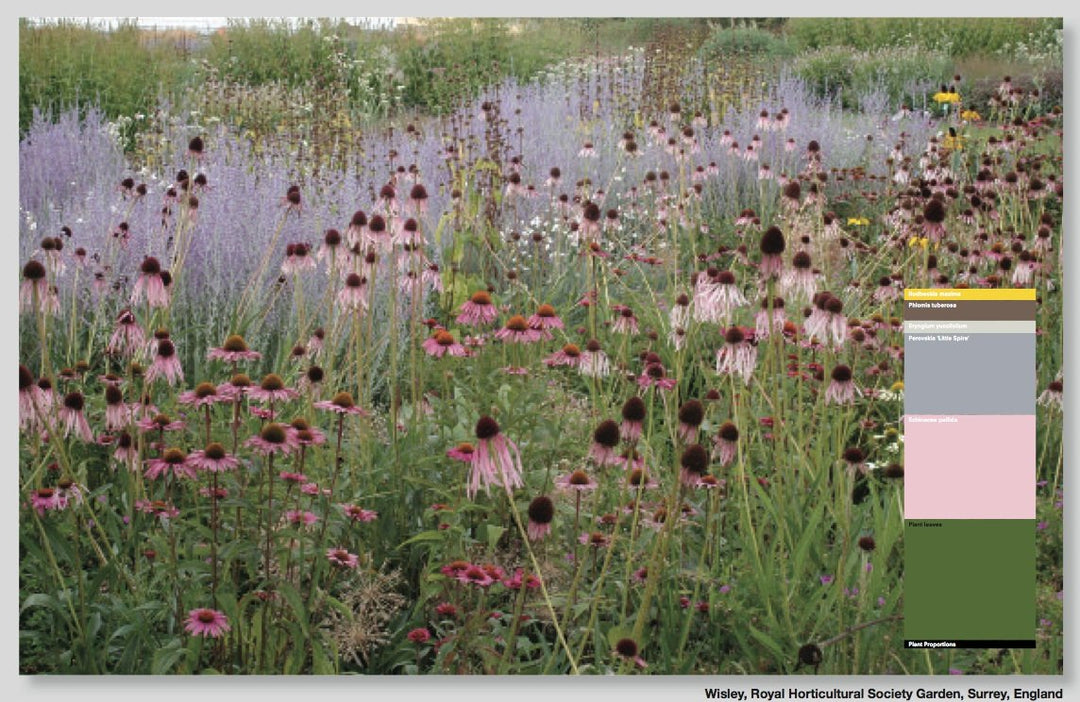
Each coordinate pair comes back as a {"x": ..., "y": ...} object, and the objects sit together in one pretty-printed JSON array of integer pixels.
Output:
[{"x": 946, "y": 644}]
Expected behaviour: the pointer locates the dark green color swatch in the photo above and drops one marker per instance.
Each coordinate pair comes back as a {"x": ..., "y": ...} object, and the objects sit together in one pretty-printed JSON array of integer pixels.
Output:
[{"x": 969, "y": 579}]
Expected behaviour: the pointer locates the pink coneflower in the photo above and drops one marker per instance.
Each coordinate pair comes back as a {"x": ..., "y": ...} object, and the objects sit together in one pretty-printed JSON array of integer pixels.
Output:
[
  {"x": 519, "y": 579},
  {"x": 763, "y": 121},
  {"x": 127, "y": 337},
  {"x": 355, "y": 232},
  {"x": 593, "y": 362},
  {"x": 716, "y": 296},
  {"x": 34, "y": 288},
  {"x": 376, "y": 235},
  {"x": 117, "y": 413},
  {"x": 694, "y": 463},
  {"x": 726, "y": 443},
  {"x": 604, "y": 444},
  {"x": 801, "y": 279},
  {"x": 441, "y": 343},
  {"x": 236, "y": 387},
  {"x": 234, "y": 350},
  {"x": 633, "y": 416},
  {"x": 737, "y": 356},
  {"x": 691, "y": 415},
  {"x": 478, "y": 310},
  {"x": 639, "y": 479},
  {"x": 29, "y": 399},
  {"x": 1053, "y": 395},
  {"x": 855, "y": 459},
  {"x": 292, "y": 200},
  {"x": 409, "y": 284},
  {"x": 827, "y": 319},
  {"x": 626, "y": 322},
  {"x": 541, "y": 514},
  {"x": 297, "y": 259},
  {"x": 213, "y": 459},
  {"x": 418, "y": 200},
  {"x": 432, "y": 277},
  {"x": 303, "y": 434},
  {"x": 332, "y": 249},
  {"x": 568, "y": 355},
  {"x": 204, "y": 395},
  {"x": 150, "y": 283},
  {"x": 272, "y": 389},
  {"x": 654, "y": 376},
  {"x": 545, "y": 319},
  {"x": 497, "y": 460},
  {"x": 933, "y": 220},
  {"x": 172, "y": 461},
  {"x": 315, "y": 342},
  {"x": 886, "y": 291},
  {"x": 359, "y": 514},
  {"x": 587, "y": 151},
  {"x": 841, "y": 390},
  {"x": 46, "y": 498},
  {"x": 517, "y": 331},
  {"x": 312, "y": 488},
  {"x": 464, "y": 452},
  {"x": 208, "y": 623},
  {"x": 596, "y": 539},
  {"x": 341, "y": 403},
  {"x": 767, "y": 322},
  {"x": 125, "y": 452},
  {"x": 72, "y": 417},
  {"x": 342, "y": 558},
  {"x": 772, "y": 245},
  {"x": 475, "y": 575},
  {"x": 578, "y": 481},
  {"x": 301, "y": 517},
  {"x": 454, "y": 569},
  {"x": 353, "y": 297},
  {"x": 273, "y": 438},
  {"x": 166, "y": 364},
  {"x": 158, "y": 508}
]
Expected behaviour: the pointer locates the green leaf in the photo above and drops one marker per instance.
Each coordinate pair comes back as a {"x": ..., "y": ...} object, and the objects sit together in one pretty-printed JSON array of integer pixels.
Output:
[
  {"x": 493, "y": 534},
  {"x": 296, "y": 603},
  {"x": 39, "y": 599},
  {"x": 768, "y": 642},
  {"x": 165, "y": 658},
  {"x": 429, "y": 535}
]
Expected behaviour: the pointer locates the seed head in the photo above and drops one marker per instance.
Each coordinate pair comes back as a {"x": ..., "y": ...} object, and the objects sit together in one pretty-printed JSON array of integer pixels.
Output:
[
  {"x": 542, "y": 510},
  {"x": 695, "y": 459},
  {"x": 633, "y": 410},
  {"x": 486, "y": 428},
  {"x": 772, "y": 242},
  {"x": 607, "y": 434},
  {"x": 272, "y": 382},
  {"x": 692, "y": 413}
]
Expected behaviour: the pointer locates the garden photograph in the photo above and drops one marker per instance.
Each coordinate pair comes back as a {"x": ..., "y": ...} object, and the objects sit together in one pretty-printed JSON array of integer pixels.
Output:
[{"x": 471, "y": 346}]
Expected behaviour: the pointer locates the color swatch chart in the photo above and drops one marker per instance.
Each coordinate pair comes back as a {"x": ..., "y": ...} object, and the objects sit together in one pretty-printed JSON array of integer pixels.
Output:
[{"x": 969, "y": 468}]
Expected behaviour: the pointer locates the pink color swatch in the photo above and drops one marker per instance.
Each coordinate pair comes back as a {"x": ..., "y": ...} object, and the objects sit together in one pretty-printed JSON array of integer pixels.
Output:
[{"x": 978, "y": 467}]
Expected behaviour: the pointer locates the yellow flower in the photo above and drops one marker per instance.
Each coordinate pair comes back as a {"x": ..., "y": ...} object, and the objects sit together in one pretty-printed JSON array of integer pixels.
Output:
[
  {"x": 858, "y": 221},
  {"x": 898, "y": 386},
  {"x": 951, "y": 98},
  {"x": 918, "y": 241},
  {"x": 970, "y": 116}
]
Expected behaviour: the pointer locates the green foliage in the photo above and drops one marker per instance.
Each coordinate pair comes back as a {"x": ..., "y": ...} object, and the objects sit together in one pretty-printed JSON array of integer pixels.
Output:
[
  {"x": 1020, "y": 38},
  {"x": 905, "y": 74},
  {"x": 70, "y": 64},
  {"x": 745, "y": 41}
]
